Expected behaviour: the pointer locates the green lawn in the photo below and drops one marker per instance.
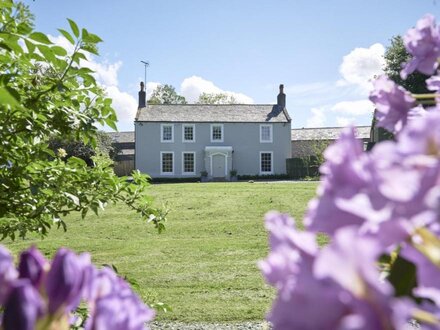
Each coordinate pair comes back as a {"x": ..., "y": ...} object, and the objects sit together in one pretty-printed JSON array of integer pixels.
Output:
[{"x": 205, "y": 264}]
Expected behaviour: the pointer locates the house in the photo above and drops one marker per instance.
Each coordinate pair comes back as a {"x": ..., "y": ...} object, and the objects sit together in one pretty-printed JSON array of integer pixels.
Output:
[
  {"x": 177, "y": 141},
  {"x": 308, "y": 141},
  {"x": 123, "y": 142}
]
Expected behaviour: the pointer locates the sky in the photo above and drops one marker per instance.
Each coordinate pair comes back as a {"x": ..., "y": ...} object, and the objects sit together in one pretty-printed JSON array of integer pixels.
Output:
[{"x": 324, "y": 52}]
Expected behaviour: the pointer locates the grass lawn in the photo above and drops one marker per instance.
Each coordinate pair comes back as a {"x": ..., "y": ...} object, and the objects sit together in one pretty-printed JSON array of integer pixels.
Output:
[{"x": 205, "y": 263}]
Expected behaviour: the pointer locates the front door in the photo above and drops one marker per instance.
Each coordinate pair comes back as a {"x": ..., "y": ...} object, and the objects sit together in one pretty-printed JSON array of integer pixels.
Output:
[{"x": 218, "y": 166}]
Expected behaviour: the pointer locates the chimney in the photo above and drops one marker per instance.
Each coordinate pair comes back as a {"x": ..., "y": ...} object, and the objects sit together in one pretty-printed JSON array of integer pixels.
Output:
[
  {"x": 281, "y": 99},
  {"x": 142, "y": 96}
]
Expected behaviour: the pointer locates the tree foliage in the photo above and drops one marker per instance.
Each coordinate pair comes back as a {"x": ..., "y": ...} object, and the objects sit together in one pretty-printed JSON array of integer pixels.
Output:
[
  {"x": 74, "y": 148},
  {"x": 216, "y": 98},
  {"x": 166, "y": 94},
  {"x": 45, "y": 92},
  {"x": 395, "y": 56}
]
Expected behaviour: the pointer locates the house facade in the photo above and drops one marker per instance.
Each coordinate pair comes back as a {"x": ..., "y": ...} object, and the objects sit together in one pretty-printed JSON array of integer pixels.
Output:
[{"x": 178, "y": 141}]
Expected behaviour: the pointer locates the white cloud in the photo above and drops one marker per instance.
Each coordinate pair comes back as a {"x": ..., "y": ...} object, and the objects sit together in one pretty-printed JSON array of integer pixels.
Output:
[
  {"x": 361, "y": 65},
  {"x": 354, "y": 108},
  {"x": 318, "y": 117},
  {"x": 151, "y": 86},
  {"x": 192, "y": 87},
  {"x": 345, "y": 121},
  {"x": 106, "y": 74},
  {"x": 124, "y": 104}
]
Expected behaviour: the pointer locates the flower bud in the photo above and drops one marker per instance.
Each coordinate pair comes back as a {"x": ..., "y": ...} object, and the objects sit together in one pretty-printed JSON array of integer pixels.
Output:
[
  {"x": 65, "y": 280},
  {"x": 23, "y": 307},
  {"x": 32, "y": 265},
  {"x": 8, "y": 273}
]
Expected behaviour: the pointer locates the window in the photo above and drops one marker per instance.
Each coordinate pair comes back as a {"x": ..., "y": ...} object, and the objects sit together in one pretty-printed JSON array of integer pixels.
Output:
[
  {"x": 166, "y": 133},
  {"x": 265, "y": 133},
  {"x": 166, "y": 162},
  {"x": 189, "y": 163},
  {"x": 266, "y": 162},
  {"x": 188, "y": 133},
  {"x": 217, "y": 133}
]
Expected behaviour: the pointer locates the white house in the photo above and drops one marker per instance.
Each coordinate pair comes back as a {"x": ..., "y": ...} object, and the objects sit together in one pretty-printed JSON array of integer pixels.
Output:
[{"x": 178, "y": 141}]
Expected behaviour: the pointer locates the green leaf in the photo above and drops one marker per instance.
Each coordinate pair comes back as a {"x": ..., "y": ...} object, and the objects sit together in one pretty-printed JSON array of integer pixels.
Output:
[
  {"x": 74, "y": 28},
  {"x": 40, "y": 37},
  {"x": 79, "y": 56},
  {"x": 402, "y": 277},
  {"x": 74, "y": 198},
  {"x": 76, "y": 161},
  {"x": 111, "y": 123},
  {"x": 29, "y": 45},
  {"x": 67, "y": 36},
  {"x": 60, "y": 51},
  {"x": 47, "y": 53},
  {"x": 90, "y": 37},
  {"x": 91, "y": 48},
  {"x": 11, "y": 41},
  {"x": 160, "y": 306},
  {"x": 9, "y": 96}
]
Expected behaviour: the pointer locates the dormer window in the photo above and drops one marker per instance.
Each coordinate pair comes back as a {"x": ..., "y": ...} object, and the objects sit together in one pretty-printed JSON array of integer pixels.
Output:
[
  {"x": 166, "y": 133},
  {"x": 216, "y": 132}
]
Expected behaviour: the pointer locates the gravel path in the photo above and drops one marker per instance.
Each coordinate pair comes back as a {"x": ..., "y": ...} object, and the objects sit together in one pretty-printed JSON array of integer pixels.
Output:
[{"x": 209, "y": 326}]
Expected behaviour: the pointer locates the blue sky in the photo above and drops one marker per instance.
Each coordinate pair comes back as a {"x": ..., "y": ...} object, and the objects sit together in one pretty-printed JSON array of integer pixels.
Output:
[{"x": 324, "y": 52}]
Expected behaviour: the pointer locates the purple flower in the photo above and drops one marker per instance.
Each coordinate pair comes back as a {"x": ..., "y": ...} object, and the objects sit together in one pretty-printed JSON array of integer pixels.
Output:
[
  {"x": 334, "y": 288},
  {"x": 344, "y": 194},
  {"x": 433, "y": 83},
  {"x": 423, "y": 43},
  {"x": 8, "y": 273},
  {"x": 289, "y": 267},
  {"x": 116, "y": 312},
  {"x": 393, "y": 104},
  {"x": 386, "y": 193},
  {"x": 113, "y": 304},
  {"x": 350, "y": 260},
  {"x": 422, "y": 137},
  {"x": 23, "y": 307},
  {"x": 32, "y": 266},
  {"x": 65, "y": 280}
]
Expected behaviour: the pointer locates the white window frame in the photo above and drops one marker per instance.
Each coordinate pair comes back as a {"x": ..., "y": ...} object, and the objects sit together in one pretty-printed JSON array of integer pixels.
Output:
[
  {"x": 161, "y": 162},
  {"x": 271, "y": 162},
  {"x": 194, "y": 133},
  {"x": 162, "y": 126},
  {"x": 270, "y": 132},
  {"x": 222, "y": 130},
  {"x": 183, "y": 162}
]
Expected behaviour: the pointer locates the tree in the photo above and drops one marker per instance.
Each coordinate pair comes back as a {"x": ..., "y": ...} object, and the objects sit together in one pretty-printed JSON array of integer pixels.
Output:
[
  {"x": 216, "y": 98},
  {"x": 86, "y": 152},
  {"x": 395, "y": 56},
  {"x": 46, "y": 93},
  {"x": 166, "y": 94}
]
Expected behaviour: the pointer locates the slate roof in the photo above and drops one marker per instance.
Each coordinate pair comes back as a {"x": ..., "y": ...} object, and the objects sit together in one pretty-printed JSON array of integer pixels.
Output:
[
  {"x": 224, "y": 113},
  {"x": 122, "y": 137},
  {"x": 326, "y": 133}
]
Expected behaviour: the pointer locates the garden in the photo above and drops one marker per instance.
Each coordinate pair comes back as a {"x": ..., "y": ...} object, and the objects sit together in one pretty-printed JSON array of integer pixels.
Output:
[
  {"x": 93, "y": 250},
  {"x": 204, "y": 265}
]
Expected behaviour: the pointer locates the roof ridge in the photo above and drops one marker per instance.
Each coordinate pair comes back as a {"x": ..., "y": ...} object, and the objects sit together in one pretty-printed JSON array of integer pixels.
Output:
[{"x": 328, "y": 127}]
